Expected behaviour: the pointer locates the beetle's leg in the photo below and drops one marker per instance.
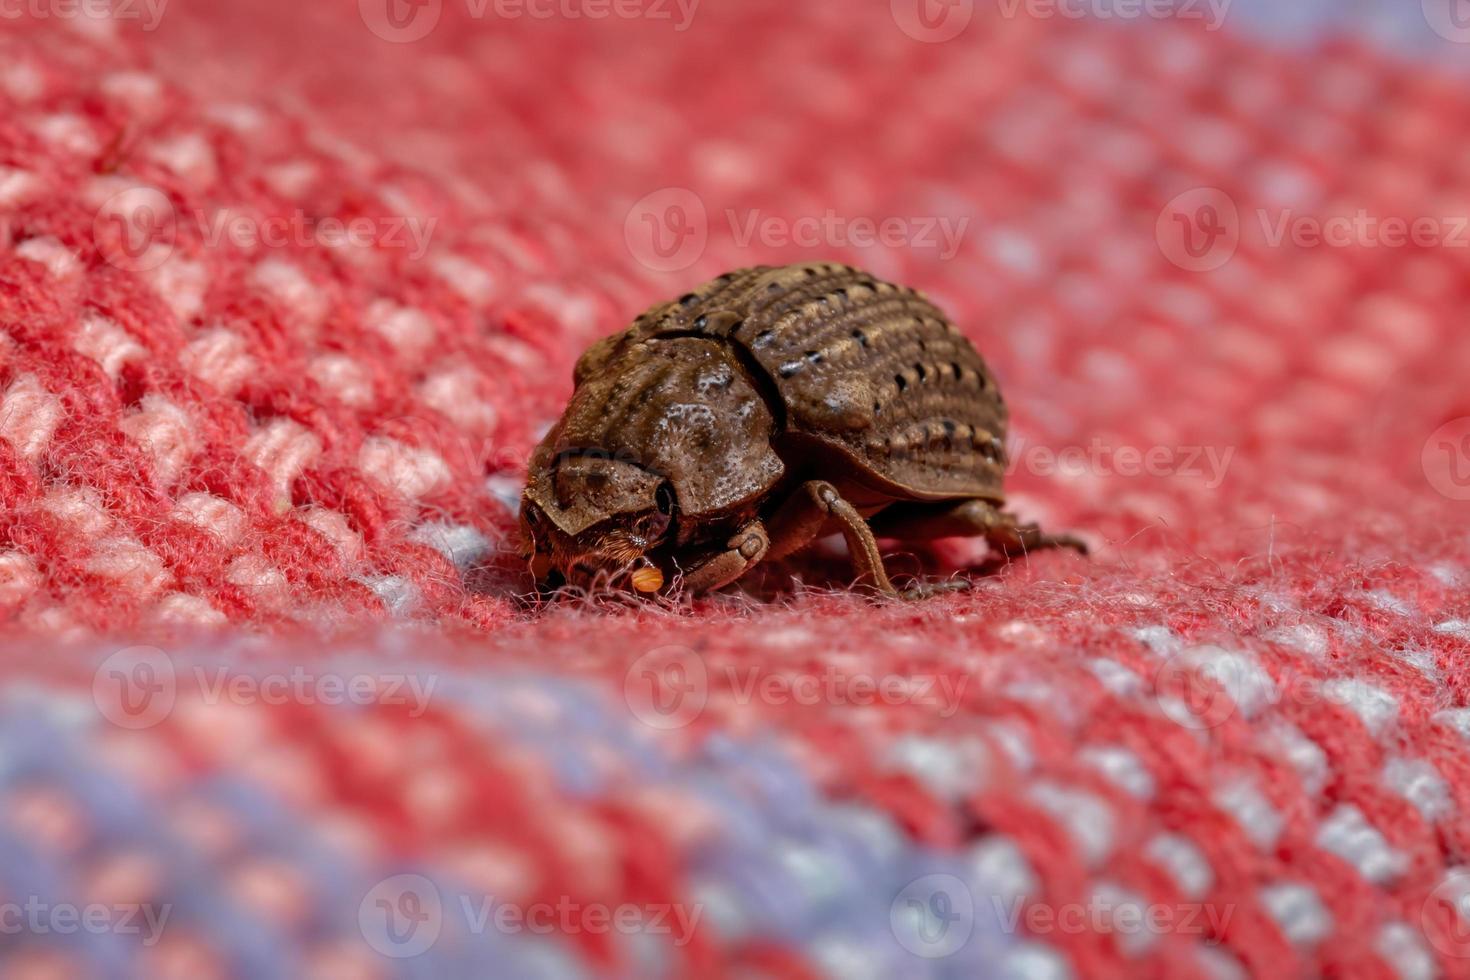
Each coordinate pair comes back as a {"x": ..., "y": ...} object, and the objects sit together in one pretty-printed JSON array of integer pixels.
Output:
[
  {"x": 803, "y": 516},
  {"x": 746, "y": 548},
  {"x": 919, "y": 521}
]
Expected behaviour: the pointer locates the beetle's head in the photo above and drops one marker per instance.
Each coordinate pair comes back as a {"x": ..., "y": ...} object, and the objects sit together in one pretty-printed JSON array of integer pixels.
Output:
[{"x": 589, "y": 518}]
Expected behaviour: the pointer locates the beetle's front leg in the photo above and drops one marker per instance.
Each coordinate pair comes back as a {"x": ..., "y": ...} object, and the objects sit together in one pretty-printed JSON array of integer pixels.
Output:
[
  {"x": 745, "y": 549},
  {"x": 803, "y": 518}
]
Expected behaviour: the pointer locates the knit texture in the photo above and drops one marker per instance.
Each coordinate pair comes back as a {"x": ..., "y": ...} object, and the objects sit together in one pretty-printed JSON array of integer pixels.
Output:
[{"x": 288, "y": 292}]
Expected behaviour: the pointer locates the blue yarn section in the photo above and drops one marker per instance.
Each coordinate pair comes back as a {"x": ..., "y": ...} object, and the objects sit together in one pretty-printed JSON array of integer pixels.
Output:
[
  {"x": 785, "y": 866},
  {"x": 1404, "y": 27},
  {"x": 789, "y": 867}
]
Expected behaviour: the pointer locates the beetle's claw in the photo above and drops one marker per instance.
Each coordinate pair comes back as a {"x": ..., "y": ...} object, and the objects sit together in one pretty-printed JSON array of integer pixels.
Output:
[
  {"x": 549, "y": 584},
  {"x": 1075, "y": 543},
  {"x": 921, "y": 589}
]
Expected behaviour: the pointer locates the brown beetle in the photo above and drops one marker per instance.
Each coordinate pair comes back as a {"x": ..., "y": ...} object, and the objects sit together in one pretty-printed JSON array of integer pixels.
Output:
[{"x": 758, "y": 413}]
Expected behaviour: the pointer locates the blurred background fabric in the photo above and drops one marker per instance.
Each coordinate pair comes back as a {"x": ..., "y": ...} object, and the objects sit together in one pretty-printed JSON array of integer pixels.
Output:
[{"x": 288, "y": 292}]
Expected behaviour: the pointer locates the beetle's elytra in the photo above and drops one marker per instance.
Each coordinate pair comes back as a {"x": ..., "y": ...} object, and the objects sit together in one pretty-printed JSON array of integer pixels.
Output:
[{"x": 769, "y": 407}]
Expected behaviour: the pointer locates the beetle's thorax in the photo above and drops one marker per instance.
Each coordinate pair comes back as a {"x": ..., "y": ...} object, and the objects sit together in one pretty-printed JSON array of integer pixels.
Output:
[
  {"x": 685, "y": 409},
  {"x": 679, "y": 416}
]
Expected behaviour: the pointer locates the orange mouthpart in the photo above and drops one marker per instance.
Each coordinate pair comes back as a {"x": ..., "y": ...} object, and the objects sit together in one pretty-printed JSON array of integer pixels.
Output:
[{"x": 647, "y": 579}]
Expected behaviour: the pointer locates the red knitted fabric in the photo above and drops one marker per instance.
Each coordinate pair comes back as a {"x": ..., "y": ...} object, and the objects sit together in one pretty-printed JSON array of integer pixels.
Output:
[{"x": 287, "y": 296}]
